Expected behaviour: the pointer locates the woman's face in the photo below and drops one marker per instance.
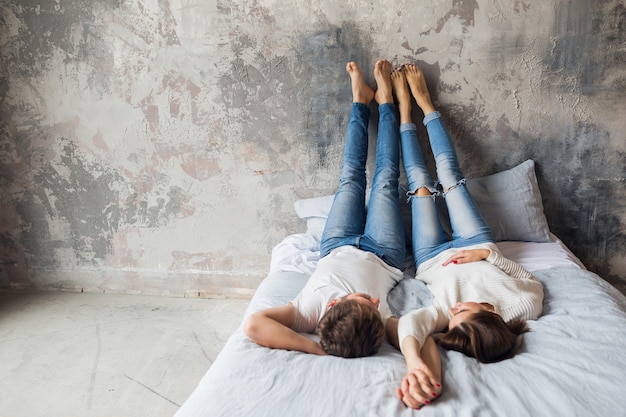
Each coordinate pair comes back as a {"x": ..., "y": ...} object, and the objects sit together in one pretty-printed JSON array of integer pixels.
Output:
[{"x": 462, "y": 311}]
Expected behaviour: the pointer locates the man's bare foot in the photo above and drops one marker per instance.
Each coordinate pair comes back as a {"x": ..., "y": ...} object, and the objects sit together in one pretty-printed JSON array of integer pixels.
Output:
[
  {"x": 415, "y": 78},
  {"x": 382, "y": 75},
  {"x": 361, "y": 92},
  {"x": 401, "y": 90}
]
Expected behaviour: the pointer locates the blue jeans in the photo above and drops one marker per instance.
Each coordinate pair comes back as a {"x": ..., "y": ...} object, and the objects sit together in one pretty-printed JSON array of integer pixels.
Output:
[
  {"x": 378, "y": 229},
  {"x": 428, "y": 236}
]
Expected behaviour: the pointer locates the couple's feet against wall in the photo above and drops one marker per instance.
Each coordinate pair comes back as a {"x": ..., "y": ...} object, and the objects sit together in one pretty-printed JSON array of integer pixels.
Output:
[{"x": 404, "y": 81}]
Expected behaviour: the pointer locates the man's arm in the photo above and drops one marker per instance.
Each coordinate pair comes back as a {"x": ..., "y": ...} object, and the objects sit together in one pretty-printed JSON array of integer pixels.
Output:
[{"x": 272, "y": 328}]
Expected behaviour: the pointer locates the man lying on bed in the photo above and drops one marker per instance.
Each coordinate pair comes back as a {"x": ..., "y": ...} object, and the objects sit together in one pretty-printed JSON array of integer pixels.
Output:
[
  {"x": 481, "y": 299},
  {"x": 361, "y": 251}
]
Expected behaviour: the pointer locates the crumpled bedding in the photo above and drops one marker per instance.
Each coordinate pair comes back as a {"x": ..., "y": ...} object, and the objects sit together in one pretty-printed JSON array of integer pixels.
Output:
[{"x": 572, "y": 363}]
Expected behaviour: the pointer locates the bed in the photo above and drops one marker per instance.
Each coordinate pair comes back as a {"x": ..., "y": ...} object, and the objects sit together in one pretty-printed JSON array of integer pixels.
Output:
[{"x": 572, "y": 363}]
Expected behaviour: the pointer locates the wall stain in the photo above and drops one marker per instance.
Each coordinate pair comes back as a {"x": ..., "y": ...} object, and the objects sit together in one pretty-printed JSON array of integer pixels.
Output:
[
  {"x": 270, "y": 94},
  {"x": 582, "y": 44},
  {"x": 69, "y": 27},
  {"x": 463, "y": 10},
  {"x": 94, "y": 200},
  {"x": 326, "y": 95}
]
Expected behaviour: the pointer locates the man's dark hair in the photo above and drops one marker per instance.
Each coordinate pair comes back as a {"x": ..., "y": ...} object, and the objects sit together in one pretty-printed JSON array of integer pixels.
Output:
[{"x": 350, "y": 329}]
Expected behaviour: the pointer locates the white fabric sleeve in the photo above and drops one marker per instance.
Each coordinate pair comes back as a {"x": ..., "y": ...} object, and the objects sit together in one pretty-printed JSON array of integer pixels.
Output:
[
  {"x": 509, "y": 267},
  {"x": 420, "y": 324},
  {"x": 309, "y": 309}
]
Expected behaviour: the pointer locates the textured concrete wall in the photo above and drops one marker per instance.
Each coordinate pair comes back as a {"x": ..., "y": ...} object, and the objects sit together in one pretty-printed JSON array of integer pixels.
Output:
[{"x": 157, "y": 146}]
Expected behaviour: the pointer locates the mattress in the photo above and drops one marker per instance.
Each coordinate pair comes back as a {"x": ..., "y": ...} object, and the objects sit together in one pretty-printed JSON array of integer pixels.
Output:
[{"x": 571, "y": 363}]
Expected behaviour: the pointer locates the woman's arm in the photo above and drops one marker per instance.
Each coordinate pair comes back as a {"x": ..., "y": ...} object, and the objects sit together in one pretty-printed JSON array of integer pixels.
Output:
[
  {"x": 467, "y": 256},
  {"x": 272, "y": 328},
  {"x": 509, "y": 267},
  {"x": 422, "y": 382}
]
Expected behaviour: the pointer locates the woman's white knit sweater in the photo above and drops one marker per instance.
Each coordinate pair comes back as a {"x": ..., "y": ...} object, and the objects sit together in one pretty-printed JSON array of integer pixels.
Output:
[{"x": 510, "y": 288}]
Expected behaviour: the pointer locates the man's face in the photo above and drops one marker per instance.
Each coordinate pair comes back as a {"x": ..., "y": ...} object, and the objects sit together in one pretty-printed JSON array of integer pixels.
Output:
[{"x": 359, "y": 297}]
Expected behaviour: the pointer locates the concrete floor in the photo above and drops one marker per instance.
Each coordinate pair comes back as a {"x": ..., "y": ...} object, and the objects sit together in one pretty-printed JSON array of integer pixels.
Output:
[{"x": 79, "y": 355}]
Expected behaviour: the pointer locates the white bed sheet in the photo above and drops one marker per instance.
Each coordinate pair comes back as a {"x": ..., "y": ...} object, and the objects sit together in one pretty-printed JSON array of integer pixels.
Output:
[
  {"x": 300, "y": 253},
  {"x": 572, "y": 363}
]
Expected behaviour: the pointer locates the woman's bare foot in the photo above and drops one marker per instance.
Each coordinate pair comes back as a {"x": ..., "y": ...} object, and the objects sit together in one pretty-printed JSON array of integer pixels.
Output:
[
  {"x": 401, "y": 90},
  {"x": 382, "y": 75},
  {"x": 361, "y": 92},
  {"x": 415, "y": 78}
]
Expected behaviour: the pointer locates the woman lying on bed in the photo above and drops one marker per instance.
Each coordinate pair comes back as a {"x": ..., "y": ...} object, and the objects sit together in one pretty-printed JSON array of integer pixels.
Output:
[
  {"x": 361, "y": 252},
  {"x": 480, "y": 297}
]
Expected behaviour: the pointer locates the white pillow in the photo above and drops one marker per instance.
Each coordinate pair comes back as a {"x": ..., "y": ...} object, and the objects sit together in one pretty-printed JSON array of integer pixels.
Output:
[
  {"x": 315, "y": 211},
  {"x": 509, "y": 201}
]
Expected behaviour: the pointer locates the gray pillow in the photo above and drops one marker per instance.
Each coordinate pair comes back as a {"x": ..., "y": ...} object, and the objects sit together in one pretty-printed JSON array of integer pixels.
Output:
[
  {"x": 509, "y": 201},
  {"x": 409, "y": 294}
]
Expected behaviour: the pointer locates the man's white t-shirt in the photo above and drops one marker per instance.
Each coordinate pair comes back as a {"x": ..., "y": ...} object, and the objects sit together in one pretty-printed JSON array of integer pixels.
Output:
[{"x": 346, "y": 270}]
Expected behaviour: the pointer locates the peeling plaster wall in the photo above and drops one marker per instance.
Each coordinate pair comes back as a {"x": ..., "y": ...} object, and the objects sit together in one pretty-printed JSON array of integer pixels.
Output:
[{"x": 158, "y": 146}]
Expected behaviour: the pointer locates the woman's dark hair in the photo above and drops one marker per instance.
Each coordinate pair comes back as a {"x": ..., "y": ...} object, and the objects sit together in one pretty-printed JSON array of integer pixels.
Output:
[
  {"x": 485, "y": 336},
  {"x": 350, "y": 329}
]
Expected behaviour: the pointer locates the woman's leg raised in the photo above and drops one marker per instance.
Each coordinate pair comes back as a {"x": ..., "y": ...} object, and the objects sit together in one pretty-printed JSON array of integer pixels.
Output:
[
  {"x": 346, "y": 220},
  {"x": 427, "y": 235},
  {"x": 384, "y": 230},
  {"x": 468, "y": 226}
]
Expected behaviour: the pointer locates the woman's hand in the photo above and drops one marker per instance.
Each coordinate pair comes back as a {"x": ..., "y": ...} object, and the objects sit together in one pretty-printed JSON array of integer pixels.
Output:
[
  {"x": 419, "y": 387},
  {"x": 467, "y": 256}
]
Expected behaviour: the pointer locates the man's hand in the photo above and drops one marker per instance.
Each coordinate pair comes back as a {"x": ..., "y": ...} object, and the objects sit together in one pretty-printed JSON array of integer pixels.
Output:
[
  {"x": 419, "y": 387},
  {"x": 467, "y": 256}
]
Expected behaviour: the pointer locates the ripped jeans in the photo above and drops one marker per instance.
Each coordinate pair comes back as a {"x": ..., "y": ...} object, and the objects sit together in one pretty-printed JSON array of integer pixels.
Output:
[
  {"x": 428, "y": 235},
  {"x": 379, "y": 229}
]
